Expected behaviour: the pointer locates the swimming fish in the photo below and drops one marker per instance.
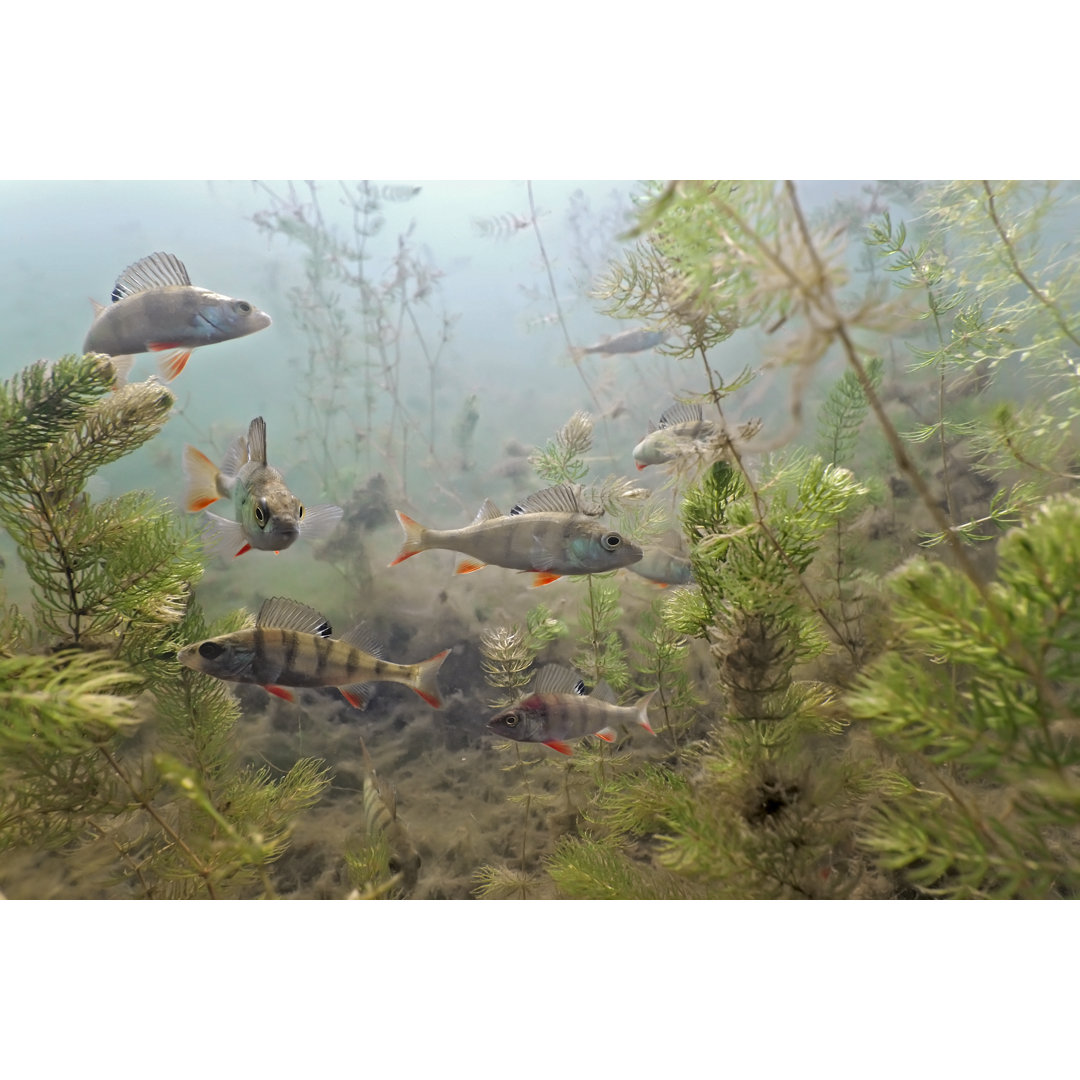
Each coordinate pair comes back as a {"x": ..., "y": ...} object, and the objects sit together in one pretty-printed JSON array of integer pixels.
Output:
[
  {"x": 559, "y": 710},
  {"x": 680, "y": 430},
  {"x": 629, "y": 341},
  {"x": 290, "y": 645},
  {"x": 548, "y": 534},
  {"x": 155, "y": 308},
  {"x": 664, "y": 568},
  {"x": 269, "y": 516},
  {"x": 382, "y": 823}
]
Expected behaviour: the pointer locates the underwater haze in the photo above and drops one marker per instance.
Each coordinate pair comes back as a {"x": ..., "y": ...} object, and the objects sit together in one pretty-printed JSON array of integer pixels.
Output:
[{"x": 602, "y": 539}]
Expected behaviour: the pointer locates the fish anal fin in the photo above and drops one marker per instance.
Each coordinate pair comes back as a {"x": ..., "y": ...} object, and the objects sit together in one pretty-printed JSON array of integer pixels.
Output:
[
  {"x": 469, "y": 566},
  {"x": 544, "y": 577},
  {"x": 356, "y": 695},
  {"x": 170, "y": 366},
  {"x": 281, "y": 692},
  {"x": 558, "y": 744},
  {"x": 607, "y": 734}
]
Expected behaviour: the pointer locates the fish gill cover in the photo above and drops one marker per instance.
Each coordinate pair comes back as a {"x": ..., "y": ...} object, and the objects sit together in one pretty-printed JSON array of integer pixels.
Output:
[{"x": 833, "y": 429}]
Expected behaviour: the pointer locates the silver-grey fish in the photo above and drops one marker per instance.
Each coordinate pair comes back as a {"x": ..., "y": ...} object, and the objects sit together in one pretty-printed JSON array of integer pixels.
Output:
[
  {"x": 155, "y": 308},
  {"x": 269, "y": 517},
  {"x": 548, "y": 534},
  {"x": 290, "y": 645},
  {"x": 629, "y": 341},
  {"x": 664, "y": 568},
  {"x": 680, "y": 430},
  {"x": 558, "y": 711}
]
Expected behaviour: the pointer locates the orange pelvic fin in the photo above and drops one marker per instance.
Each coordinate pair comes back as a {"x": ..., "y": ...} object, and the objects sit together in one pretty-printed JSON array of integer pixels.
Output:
[
  {"x": 557, "y": 744},
  {"x": 246, "y": 547},
  {"x": 281, "y": 692},
  {"x": 170, "y": 366},
  {"x": 544, "y": 577},
  {"x": 468, "y": 566}
]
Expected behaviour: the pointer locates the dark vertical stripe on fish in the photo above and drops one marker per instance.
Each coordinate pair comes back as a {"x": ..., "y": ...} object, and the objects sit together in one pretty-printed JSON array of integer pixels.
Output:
[{"x": 290, "y": 642}]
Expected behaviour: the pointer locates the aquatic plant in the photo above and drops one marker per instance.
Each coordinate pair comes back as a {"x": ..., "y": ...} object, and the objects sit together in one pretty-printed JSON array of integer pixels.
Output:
[{"x": 105, "y": 743}]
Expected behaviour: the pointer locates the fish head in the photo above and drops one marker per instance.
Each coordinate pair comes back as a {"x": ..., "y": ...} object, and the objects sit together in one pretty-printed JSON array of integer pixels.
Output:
[
  {"x": 225, "y": 657},
  {"x": 651, "y": 450},
  {"x": 224, "y": 318},
  {"x": 594, "y": 548},
  {"x": 524, "y": 722},
  {"x": 271, "y": 519}
]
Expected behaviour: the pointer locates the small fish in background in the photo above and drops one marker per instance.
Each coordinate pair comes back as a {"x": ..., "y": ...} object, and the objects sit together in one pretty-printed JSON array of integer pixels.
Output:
[
  {"x": 629, "y": 341},
  {"x": 155, "y": 308},
  {"x": 269, "y": 517},
  {"x": 548, "y": 534},
  {"x": 680, "y": 430},
  {"x": 389, "y": 849},
  {"x": 558, "y": 710},
  {"x": 290, "y": 645},
  {"x": 663, "y": 568}
]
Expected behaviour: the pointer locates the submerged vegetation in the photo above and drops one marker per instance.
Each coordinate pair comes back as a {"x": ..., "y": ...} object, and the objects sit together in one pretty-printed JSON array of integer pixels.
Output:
[{"x": 867, "y": 689}]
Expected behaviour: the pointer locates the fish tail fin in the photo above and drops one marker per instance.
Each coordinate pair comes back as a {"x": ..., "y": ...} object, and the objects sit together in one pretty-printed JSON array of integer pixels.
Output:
[
  {"x": 642, "y": 707},
  {"x": 576, "y": 353},
  {"x": 201, "y": 474},
  {"x": 426, "y": 684},
  {"x": 414, "y": 538}
]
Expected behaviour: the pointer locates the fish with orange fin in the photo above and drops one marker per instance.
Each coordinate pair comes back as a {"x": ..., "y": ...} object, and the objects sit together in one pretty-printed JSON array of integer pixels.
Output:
[
  {"x": 549, "y": 534},
  {"x": 269, "y": 517},
  {"x": 155, "y": 308},
  {"x": 680, "y": 430},
  {"x": 291, "y": 646},
  {"x": 559, "y": 710}
]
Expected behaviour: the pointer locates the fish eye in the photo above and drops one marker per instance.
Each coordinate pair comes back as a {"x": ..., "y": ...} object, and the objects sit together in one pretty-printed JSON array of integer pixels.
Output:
[
  {"x": 260, "y": 512},
  {"x": 511, "y": 719},
  {"x": 300, "y": 511},
  {"x": 210, "y": 650},
  {"x": 244, "y": 306},
  {"x": 611, "y": 540},
  {"x": 393, "y": 864}
]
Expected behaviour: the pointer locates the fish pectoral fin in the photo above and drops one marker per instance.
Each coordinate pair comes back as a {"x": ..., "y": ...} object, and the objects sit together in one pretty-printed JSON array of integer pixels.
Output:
[
  {"x": 607, "y": 734},
  {"x": 544, "y": 577},
  {"x": 320, "y": 521},
  {"x": 558, "y": 744},
  {"x": 281, "y": 692},
  {"x": 468, "y": 566},
  {"x": 357, "y": 694},
  {"x": 223, "y": 536},
  {"x": 170, "y": 366}
]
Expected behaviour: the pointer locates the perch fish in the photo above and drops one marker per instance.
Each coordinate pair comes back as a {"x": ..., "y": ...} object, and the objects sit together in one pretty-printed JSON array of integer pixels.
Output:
[
  {"x": 155, "y": 308},
  {"x": 680, "y": 430},
  {"x": 663, "y": 568},
  {"x": 381, "y": 819},
  {"x": 290, "y": 645},
  {"x": 548, "y": 534},
  {"x": 269, "y": 517},
  {"x": 559, "y": 710},
  {"x": 629, "y": 341}
]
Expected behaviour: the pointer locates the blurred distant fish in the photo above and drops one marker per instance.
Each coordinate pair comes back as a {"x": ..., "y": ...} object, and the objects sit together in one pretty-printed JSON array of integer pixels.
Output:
[
  {"x": 382, "y": 826},
  {"x": 291, "y": 645},
  {"x": 548, "y": 534},
  {"x": 663, "y": 567},
  {"x": 680, "y": 430},
  {"x": 155, "y": 308},
  {"x": 558, "y": 710},
  {"x": 630, "y": 341},
  {"x": 269, "y": 517}
]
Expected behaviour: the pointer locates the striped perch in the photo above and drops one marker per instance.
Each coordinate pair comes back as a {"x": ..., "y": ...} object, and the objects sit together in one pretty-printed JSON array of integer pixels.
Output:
[
  {"x": 559, "y": 710},
  {"x": 290, "y": 645}
]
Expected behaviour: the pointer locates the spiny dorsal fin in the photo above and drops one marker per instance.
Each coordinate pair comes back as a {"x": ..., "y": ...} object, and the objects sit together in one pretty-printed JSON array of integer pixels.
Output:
[
  {"x": 256, "y": 440},
  {"x": 560, "y": 499},
  {"x": 558, "y": 679},
  {"x": 487, "y": 511},
  {"x": 680, "y": 413},
  {"x": 153, "y": 272},
  {"x": 361, "y": 636},
  {"x": 283, "y": 614},
  {"x": 602, "y": 692}
]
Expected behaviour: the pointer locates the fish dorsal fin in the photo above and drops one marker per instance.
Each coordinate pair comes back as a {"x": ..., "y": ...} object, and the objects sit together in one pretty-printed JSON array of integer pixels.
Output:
[
  {"x": 558, "y": 679},
  {"x": 680, "y": 413},
  {"x": 487, "y": 511},
  {"x": 256, "y": 440},
  {"x": 235, "y": 459},
  {"x": 652, "y": 428},
  {"x": 560, "y": 499},
  {"x": 602, "y": 692},
  {"x": 361, "y": 636},
  {"x": 280, "y": 613},
  {"x": 153, "y": 272}
]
